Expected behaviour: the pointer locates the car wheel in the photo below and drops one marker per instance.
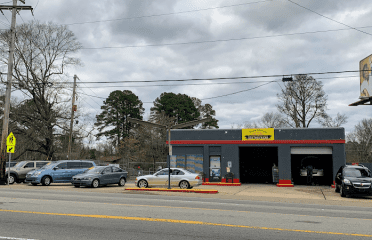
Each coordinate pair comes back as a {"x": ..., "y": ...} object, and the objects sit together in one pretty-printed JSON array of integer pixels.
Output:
[
  {"x": 337, "y": 188},
  {"x": 342, "y": 193},
  {"x": 184, "y": 185},
  {"x": 34, "y": 184},
  {"x": 46, "y": 181},
  {"x": 95, "y": 183},
  {"x": 12, "y": 179},
  {"x": 122, "y": 182},
  {"x": 142, "y": 184}
]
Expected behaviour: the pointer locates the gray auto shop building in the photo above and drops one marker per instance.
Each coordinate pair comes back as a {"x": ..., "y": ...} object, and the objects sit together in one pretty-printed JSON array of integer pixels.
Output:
[{"x": 251, "y": 154}]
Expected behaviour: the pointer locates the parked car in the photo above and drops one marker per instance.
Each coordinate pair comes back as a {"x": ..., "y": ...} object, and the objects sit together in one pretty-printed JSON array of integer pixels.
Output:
[
  {"x": 12, "y": 164},
  {"x": 179, "y": 177},
  {"x": 58, "y": 172},
  {"x": 352, "y": 180},
  {"x": 19, "y": 171},
  {"x": 100, "y": 175},
  {"x": 316, "y": 172}
]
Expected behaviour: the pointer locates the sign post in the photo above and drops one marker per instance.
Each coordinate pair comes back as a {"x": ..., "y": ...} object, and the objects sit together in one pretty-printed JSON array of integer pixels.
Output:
[{"x": 10, "y": 146}]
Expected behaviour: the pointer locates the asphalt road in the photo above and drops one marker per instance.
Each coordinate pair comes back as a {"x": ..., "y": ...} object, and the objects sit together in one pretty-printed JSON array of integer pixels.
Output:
[{"x": 46, "y": 214}]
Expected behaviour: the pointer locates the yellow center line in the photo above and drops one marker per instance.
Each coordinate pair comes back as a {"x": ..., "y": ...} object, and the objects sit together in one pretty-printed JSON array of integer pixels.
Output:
[{"x": 185, "y": 222}]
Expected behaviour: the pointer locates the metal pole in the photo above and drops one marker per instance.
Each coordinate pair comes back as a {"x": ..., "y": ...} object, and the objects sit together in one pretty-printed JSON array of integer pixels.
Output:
[
  {"x": 9, "y": 168},
  {"x": 8, "y": 88},
  {"x": 72, "y": 120},
  {"x": 169, "y": 157}
]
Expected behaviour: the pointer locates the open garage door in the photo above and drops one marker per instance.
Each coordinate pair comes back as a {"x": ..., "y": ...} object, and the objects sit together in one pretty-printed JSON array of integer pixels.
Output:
[
  {"x": 256, "y": 164},
  {"x": 319, "y": 158}
]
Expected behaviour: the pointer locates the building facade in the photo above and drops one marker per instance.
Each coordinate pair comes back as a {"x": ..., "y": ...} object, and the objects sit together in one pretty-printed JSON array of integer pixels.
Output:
[{"x": 258, "y": 155}]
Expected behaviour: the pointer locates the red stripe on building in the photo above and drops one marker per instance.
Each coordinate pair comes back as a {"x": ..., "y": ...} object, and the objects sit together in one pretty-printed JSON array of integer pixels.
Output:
[{"x": 174, "y": 142}]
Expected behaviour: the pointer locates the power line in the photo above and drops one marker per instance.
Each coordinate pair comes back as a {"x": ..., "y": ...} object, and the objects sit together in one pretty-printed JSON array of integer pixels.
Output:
[
  {"x": 218, "y": 40},
  {"x": 220, "y": 78},
  {"x": 329, "y": 18},
  {"x": 246, "y": 90},
  {"x": 195, "y": 84},
  {"x": 168, "y": 14}
]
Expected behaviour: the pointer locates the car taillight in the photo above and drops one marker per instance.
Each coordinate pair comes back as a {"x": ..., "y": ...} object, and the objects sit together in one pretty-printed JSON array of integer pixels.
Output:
[{"x": 197, "y": 177}]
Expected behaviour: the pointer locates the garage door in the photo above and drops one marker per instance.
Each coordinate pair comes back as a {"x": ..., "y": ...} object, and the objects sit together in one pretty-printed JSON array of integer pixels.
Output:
[{"x": 311, "y": 150}]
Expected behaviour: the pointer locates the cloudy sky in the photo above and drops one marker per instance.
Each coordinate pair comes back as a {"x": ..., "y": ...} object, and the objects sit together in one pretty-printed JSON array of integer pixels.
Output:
[{"x": 137, "y": 40}]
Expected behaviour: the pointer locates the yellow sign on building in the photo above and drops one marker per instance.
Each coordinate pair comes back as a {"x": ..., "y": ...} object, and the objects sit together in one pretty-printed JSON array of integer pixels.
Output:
[
  {"x": 254, "y": 134},
  {"x": 11, "y": 140}
]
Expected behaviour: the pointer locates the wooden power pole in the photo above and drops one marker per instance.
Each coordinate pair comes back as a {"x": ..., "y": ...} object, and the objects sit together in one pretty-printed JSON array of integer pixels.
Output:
[
  {"x": 15, "y": 9},
  {"x": 73, "y": 109}
]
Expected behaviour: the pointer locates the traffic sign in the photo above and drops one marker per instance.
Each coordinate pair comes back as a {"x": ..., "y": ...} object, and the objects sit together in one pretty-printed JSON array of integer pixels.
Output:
[
  {"x": 11, "y": 140},
  {"x": 10, "y": 149}
]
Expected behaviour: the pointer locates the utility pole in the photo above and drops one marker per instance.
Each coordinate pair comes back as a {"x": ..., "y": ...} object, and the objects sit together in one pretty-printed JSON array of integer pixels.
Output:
[
  {"x": 73, "y": 109},
  {"x": 14, "y": 8}
]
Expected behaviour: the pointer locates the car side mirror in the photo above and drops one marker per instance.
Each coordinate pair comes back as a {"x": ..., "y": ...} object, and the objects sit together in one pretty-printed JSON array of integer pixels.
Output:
[
  {"x": 55, "y": 168},
  {"x": 338, "y": 174}
]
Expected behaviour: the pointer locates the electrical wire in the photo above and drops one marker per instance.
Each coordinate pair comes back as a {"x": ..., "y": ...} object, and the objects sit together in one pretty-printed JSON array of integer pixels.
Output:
[
  {"x": 167, "y": 14},
  {"x": 246, "y": 90},
  {"x": 221, "y": 78},
  {"x": 218, "y": 40},
  {"x": 329, "y": 18}
]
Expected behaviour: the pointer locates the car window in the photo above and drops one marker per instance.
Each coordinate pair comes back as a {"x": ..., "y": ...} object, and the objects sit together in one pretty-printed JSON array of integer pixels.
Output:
[
  {"x": 40, "y": 164},
  {"x": 116, "y": 169},
  {"x": 73, "y": 165},
  {"x": 62, "y": 165},
  {"x": 29, "y": 165},
  {"x": 163, "y": 172},
  {"x": 177, "y": 172},
  {"x": 86, "y": 164},
  {"x": 107, "y": 170}
]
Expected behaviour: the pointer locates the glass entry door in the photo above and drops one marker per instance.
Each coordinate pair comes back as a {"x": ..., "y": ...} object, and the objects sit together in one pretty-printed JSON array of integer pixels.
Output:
[{"x": 215, "y": 168}]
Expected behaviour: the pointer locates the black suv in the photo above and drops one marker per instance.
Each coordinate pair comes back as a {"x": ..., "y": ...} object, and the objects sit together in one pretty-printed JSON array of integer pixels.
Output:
[{"x": 351, "y": 179}]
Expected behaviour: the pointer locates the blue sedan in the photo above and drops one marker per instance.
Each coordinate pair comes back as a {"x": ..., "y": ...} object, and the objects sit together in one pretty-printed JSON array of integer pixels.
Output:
[{"x": 99, "y": 176}]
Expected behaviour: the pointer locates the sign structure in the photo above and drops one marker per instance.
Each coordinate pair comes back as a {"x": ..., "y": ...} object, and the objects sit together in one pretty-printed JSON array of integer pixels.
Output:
[
  {"x": 10, "y": 143},
  {"x": 11, "y": 140},
  {"x": 365, "y": 68},
  {"x": 261, "y": 134},
  {"x": 10, "y": 149}
]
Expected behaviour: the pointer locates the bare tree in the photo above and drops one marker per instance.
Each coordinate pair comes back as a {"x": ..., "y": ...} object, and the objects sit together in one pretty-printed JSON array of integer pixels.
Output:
[
  {"x": 328, "y": 121},
  {"x": 302, "y": 101},
  {"x": 272, "y": 120},
  {"x": 359, "y": 142},
  {"x": 43, "y": 54}
]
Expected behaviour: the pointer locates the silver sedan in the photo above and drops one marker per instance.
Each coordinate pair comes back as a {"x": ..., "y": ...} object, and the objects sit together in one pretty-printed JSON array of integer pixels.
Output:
[{"x": 179, "y": 177}]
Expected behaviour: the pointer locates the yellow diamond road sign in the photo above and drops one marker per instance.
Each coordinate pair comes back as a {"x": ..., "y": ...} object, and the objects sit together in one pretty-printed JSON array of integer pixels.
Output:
[
  {"x": 10, "y": 149},
  {"x": 11, "y": 140}
]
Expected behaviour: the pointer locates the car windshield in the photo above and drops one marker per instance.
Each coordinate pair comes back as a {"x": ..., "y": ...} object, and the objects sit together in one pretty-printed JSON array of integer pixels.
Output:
[
  {"x": 48, "y": 165},
  {"x": 357, "y": 173},
  {"x": 20, "y": 164},
  {"x": 95, "y": 169}
]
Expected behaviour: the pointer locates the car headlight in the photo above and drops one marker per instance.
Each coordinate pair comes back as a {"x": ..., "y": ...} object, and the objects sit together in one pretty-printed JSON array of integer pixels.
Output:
[
  {"x": 87, "y": 178},
  {"x": 347, "y": 181},
  {"x": 36, "y": 174}
]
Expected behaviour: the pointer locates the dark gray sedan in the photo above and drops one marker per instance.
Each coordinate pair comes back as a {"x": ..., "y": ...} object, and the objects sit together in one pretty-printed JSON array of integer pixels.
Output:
[{"x": 99, "y": 176}]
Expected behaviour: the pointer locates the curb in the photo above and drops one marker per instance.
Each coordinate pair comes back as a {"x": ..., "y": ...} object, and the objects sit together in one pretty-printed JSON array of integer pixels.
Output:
[
  {"x": 174, "y": 190},
  {"x": 221, "y": 184}
]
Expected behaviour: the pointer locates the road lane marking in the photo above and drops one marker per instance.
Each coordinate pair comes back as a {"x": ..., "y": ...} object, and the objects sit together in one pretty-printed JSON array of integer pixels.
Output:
[
  {"x": 208, "y": 209},
  {"x": 13, "y": 238},
  {"x": 185, "y": 222}
]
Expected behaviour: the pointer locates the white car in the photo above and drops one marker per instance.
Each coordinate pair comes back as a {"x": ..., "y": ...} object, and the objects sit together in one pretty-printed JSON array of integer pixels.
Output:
[{"x": 179, "y": 177}]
